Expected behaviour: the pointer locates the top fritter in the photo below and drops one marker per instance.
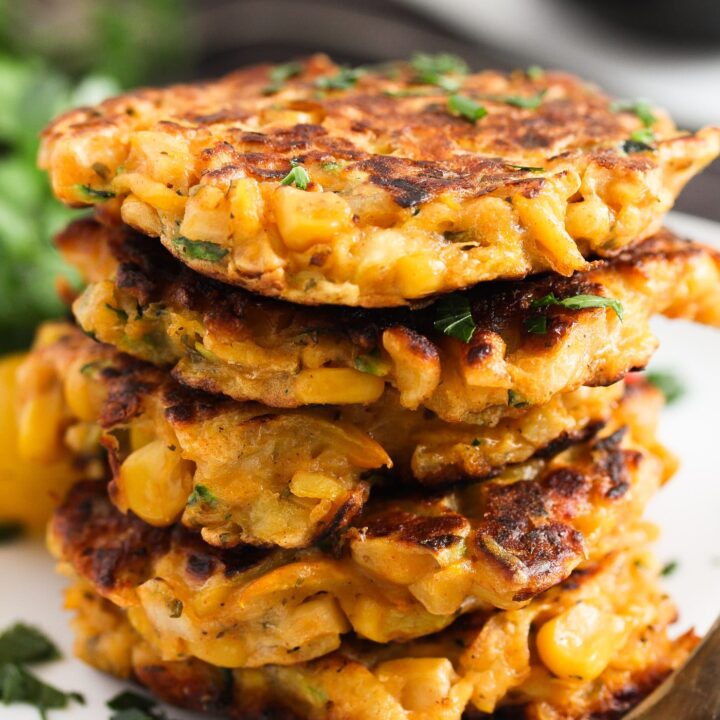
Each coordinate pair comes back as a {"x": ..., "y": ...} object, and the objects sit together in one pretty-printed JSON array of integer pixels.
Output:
[{"x": 377, "y": 186}]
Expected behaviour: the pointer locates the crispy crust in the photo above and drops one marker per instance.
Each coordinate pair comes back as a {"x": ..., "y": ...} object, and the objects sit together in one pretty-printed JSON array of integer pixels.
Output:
[
  {"x": 478, "y": 664},
  {"x": 415, "y": 201},
  {"x": 405, "y": 569},
  {"x": 225, "y": 340}
]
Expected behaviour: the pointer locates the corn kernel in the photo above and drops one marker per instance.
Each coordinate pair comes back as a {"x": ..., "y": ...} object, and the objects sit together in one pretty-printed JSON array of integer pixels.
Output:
[
  {"x": 149, "y": 191},
  {"x": 306, "y": 218},
  {"x": 206, "y": 217},
  {"x": 83, "y": 397},
  {"x": 246, "y": 205},
  {"x": 136, "y": 213},
  {"x": 419, "y": 274},
  {"x": 40, "y": 426},
  {"x": 315, "y": 485},
  {"x": 337, "y": 386},
  {"x": 580, "y": 642},
  {"x": 418, "y": 683},
  {"x": 155, "y": 483}
]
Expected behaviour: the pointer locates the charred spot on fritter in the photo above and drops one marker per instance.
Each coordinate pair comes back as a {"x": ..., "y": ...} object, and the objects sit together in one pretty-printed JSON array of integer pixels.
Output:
[{"x": 437, "y": 532}]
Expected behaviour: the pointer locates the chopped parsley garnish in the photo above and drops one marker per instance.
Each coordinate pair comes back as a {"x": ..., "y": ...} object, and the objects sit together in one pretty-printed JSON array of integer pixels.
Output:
[
  {"x": 464, "y": 106},
  {"x": 280, "y": 74},
  {"x": 202, "y": 494},
  {"x": 526, "y": 168},
  {"x": 476, "y": 442},
  {"x": 200, "y": 249},
  {"x": 371, "y": 364},
  {"x": 453, "y": 317},
  {"x": 645, "y": 136},
  {"x": 438, "y": 69},
  {"x": 515, "y": 400},
  {"x": 298, "y": 176},
  {"x": 668, "y": 383},
  {"x": 669, "y": 568},
  {"x": 633, "y": 146},
  {"x": 93, "y": 195},
  {"x": 518, "y": 101},
  {"x": 132, "y": 706},
  {"x": 331, "y": 166},
  {"x": 122, "y": 315},
  {"x": 535, "y": 72},
  {"x": 580, "y": 302},
  {"x": 537, "y": 325},
  {"x": 25, "y": 644},
  {"x": 641, "y": 109},
  {"x": 344, "y": 80},
  {"x": 10, "y": 531}
]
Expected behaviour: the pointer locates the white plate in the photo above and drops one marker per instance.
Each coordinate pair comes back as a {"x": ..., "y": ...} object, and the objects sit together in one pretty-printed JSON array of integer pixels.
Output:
[{"x": 688, "y": 510}]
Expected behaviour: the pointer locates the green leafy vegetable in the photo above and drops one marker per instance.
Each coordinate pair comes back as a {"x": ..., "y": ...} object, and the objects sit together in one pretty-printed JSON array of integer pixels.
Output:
[
  {"x": 527, "y": 103},
  {"x": 535, "y": 72},
  {"x": 132, "y": 706},
  {"x": 10, "y": 531},
  {"x": 642, "y": 109},
  {"x": 298, "y": 176},
  {"x": 669, "y": 568},
  {"x": 515, "y": 400},
  {"x": 202, "y": 494},
  {"x": 26, "y": 644},
  {"x": 93, "y": 194},
  {"x": 580, "y": 302},
  {"x": 463, "y": 106},
  {"x": 453, "y": 317},
  {"x": 280, "y": 74},
  {"x": 476, "y": 442},
  {"x": 344, "y": 80},
  {"x": 200, "y": 249},
  {"x": 537, "y": 325},
  {"x": 633, "y": 146},
  {"x": 331, "y": 166},
  {"x": 645, "y": 136},
  {"x": 668, "y": 383},
  {"x": 370, "y": 363},
  {"x": 526, "y": 168},
  {"x": 438, "y": 70}
]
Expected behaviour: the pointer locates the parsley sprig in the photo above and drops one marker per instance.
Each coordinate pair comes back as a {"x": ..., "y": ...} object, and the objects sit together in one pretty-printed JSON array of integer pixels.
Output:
[
  {"x": 641, "y": 140},
  {"x": 345, "y": 79},
  {"x": 669, "y": 384},
  {"x": 298, "y": 176},
  {"x": 466, "y": 107},
  {"x": 444, "y": 70},
  {"x": 129, "y": 705},
  {"x": 538, "y": 324},
  {"x": 453, "y": 317},
  {"x": 280, "y": 74},
  {"x": 200, "y": 249}
]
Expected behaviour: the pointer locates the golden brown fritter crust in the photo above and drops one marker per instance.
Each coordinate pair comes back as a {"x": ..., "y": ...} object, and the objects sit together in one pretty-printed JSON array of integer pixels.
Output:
[
  {"x": 484, "y": 662},
  {"x": 225, "y": 340},
  {"x": 407, "y": 567},
  {"x": 406, "y": 198}
]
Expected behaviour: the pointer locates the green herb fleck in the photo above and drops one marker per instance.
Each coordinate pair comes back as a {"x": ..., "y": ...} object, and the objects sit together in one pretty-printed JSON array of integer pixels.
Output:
[
  {"x": 201, "y": 494},
  {"x": 10, "y": 531},
  {"x": 453, "y": 317},
  {"x": 515, "y": 400},
  {"x": 280, "y": 74},
  {"x": 26, "y": 644},
  {"x": 200, "y": 249},
  {"x": 438, "y": 69},
  {"x": 132, "y": 706},
  {"x": 93, "y": 195},
  {"x": 535, "y": 72},
  {"x": 645, "y": 136},
  {"x": 633, "y": 146},
  {"x": 331, "y": 166},
  {"x": 298, "y": 176},
  {"x": 669, "y": 568},
  {"x": 518, "y": 101},
  {"x": 476, "y": 442},
  {"x": 579, "y": 302},
  {"x": 537, "y": 325},
  {"x": 370, "y": 363},
  {"x": 122, "y": 315},
  {"x": 668, "y": 383},
  {"x": 526, "y": 168},
  {"x": 463, "y": 106},
  {"x": 344, "y": 80},
  {"x": 641, "y": 109},
  {"x": 176, "y": 608}
]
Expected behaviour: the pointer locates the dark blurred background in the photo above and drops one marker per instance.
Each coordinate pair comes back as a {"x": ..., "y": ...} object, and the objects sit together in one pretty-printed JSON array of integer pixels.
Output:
[{"x": 55, "y": 54}]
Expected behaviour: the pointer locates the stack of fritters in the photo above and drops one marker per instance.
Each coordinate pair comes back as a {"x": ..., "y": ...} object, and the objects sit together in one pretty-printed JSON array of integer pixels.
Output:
[{"x": 370, "y": 450}]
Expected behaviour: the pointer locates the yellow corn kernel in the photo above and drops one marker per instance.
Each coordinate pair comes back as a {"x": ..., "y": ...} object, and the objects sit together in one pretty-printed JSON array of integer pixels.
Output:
[
  {"x": 315, "y": 485},
  {"x": 418, "y": 683},
  {"x": 83, "y": 438},
  {"x": 206, "y": 216},
  {"x": 419, "y": 274},
  {"x": 136, "y": 213},
  {"x": 306, "y": 218},
  {"x": 337, "y": 386},
  {"x": 149, "y": 191},
  {"x": 82, "y": 395},
  {"x": 246, "y": 206},
  {"x": 155, "y": 483},
  {"x": 165, "y": 158},
  {"x": 580, "y": 642},
  {"x": 40, "y": 426},
  {"x": 142, "y": 432}
]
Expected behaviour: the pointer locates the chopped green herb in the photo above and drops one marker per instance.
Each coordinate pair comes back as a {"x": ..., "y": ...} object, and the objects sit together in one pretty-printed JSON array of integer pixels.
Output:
[
  {"x": 535, "y": 72},
  {"x": 176, "y": 608},
  {"x": 669, "y": 568},
  {"x": 344, "y": 80},
  {"x": 19, "y": 685},
  {"x": 330, "y": 166},
  {"x": 130, "y": 700},
  {"x": 370, "y": 363},
  {"x": 476, "y": 442},
  {"x": 298, "y": 176},
  {"x": 280, "y": 74},
  {"x": 202, "y": 494},
  {"x": 537, "y": 325},
  {"x": 515, "y": 400},
  {"x": 527, "y": 168},
  {"x": 466, "y": 107},
  {"x": 453, "y": 317},
  {"x": 644, "y": 136},
  {"x": 91, "y": 194},
  {"x": 641, "y": 108},
  {"x": 122, "y": 315},
  {"x": 668, "y": 383},
  {"x": 527, "y": 103},
  {"x": 579, "y": 302},
  {"x": 200, "y": 249},
  {"x": 633, "y": 146},
  {"x": 437, "y": 69},
  {"x": 25, "y": 644},
  {"x": 10, "y": 531}
]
